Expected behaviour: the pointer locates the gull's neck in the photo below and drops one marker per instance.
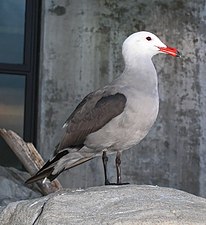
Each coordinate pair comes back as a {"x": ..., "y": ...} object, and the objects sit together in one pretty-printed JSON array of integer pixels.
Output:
[{"x": 140, "y": 72}]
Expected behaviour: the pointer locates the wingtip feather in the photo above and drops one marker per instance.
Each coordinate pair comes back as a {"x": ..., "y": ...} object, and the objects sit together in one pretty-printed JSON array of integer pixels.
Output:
[{"x": 39, "y": 176}]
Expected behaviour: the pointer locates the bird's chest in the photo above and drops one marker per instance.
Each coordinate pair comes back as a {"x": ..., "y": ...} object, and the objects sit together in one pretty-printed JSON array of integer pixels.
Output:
[
  {"x": 136, "y": 121},
  {"x": 140, "y": 111}
]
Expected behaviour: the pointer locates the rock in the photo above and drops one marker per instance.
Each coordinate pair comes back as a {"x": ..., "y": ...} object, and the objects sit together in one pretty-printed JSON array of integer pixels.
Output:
[
  {"x": 127, "y": 204},
  {"x": 13, "y": 188}
]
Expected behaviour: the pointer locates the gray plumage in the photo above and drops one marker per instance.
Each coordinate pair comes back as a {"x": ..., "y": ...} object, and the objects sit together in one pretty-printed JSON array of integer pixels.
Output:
[
  {"x": 115, "y": 117},
  {"x": 96, "y": 109}
]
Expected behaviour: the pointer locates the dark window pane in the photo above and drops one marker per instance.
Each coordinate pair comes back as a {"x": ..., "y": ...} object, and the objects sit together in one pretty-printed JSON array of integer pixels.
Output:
[
  {"x": 12, "y": 20},
  {"x": 12, "y": 93}
]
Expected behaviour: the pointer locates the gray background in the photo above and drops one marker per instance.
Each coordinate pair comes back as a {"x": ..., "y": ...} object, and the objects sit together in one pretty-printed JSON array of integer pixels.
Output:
[{"x": 81, "y": 51}]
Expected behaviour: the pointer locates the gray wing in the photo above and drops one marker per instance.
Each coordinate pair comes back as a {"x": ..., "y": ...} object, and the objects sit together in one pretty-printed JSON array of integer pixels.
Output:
[{"x": 95, "y": 110}]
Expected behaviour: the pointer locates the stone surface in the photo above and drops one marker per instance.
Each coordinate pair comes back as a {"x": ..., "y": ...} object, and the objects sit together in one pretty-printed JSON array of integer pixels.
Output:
[
  {"x": 13, "y": 188},
  {"x": 109, "y": 205},
  {"x": 81, "y": 51}
]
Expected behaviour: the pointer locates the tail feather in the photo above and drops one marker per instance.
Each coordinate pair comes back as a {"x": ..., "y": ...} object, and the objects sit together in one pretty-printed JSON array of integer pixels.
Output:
[
  {"x": 39, "y": 176},
  {"x": 55, "y": 159},
  {"x": 64, "y": 160}
]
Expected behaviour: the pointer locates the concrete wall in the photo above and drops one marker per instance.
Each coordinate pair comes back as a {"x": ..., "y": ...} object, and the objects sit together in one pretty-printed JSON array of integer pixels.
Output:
[{"x": 81, "y": 51}]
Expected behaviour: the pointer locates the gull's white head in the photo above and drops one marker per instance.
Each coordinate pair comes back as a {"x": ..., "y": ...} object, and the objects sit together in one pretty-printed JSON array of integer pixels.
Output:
[{"x": 144, "y": 43}]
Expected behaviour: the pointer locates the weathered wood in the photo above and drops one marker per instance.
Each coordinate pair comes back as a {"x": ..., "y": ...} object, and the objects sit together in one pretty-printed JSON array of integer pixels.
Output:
[{"x": 30, "y": 158}]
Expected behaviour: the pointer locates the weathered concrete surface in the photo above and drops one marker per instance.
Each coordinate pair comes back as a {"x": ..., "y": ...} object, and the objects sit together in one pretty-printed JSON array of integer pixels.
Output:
[
  {"x": 109, "y": 205},
  {"x": 81, "y": 51},
  {"x": 13, "y": 188}
]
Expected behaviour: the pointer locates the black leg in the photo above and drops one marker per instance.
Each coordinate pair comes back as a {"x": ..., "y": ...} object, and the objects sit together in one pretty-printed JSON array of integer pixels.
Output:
[
  {"x": 118, "y": 167},
  {"x": 105, "y": 160}
]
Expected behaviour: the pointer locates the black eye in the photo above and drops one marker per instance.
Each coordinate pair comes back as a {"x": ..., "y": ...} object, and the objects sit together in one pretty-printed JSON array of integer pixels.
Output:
[{"x": 149, "y": 38}]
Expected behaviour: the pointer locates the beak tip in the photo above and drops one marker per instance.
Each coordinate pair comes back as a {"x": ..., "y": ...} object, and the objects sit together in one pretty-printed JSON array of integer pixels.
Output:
[
  {"x": 178, "y": 54},
  {"x": 170, "y": 51}
]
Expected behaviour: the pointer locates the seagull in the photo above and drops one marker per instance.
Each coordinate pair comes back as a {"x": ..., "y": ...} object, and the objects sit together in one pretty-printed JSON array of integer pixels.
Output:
[{"x": 113, "y": 118}]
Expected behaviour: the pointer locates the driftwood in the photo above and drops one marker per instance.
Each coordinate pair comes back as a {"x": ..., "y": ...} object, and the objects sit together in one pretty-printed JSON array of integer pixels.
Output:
[{"x": 30, "y": 158}]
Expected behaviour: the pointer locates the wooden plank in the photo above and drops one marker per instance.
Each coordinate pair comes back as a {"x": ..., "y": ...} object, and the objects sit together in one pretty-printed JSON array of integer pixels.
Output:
[{"x": 30, "y": 158}]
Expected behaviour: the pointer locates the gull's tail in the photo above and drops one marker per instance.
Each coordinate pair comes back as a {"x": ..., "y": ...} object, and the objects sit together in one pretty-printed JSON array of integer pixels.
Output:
[{"x": 64, "y": 160}]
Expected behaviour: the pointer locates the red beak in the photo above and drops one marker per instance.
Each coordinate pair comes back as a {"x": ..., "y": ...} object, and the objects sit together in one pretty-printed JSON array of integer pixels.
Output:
[{"x": 170, "y": 51}]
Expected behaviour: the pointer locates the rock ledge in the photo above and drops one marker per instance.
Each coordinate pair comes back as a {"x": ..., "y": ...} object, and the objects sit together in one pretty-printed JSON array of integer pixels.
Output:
[{"x": 128, "y": 204}]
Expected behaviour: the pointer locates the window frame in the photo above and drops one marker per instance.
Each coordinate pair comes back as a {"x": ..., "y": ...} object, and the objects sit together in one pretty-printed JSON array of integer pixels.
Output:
[{"x": 29, "y": 68}]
